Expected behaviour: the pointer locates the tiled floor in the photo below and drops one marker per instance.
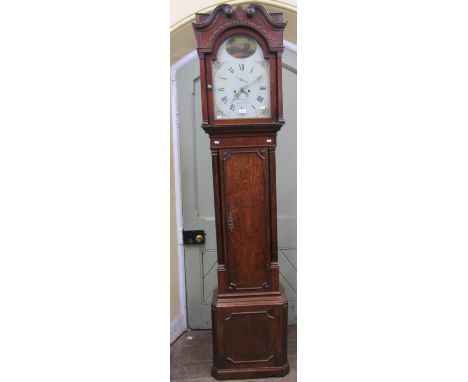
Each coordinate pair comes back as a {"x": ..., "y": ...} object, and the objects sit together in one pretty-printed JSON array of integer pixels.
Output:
[{"x": 191, "y": 358}]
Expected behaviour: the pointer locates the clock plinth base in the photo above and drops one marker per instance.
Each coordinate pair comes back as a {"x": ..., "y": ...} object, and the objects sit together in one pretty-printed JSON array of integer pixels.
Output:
[
  {"x": 250, "y": 336},
  {"x": 247, "y": 373}
]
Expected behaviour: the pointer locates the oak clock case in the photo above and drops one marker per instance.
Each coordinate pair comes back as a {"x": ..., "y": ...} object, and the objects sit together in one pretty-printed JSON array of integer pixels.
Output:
[{"x": 240, "y": 75}]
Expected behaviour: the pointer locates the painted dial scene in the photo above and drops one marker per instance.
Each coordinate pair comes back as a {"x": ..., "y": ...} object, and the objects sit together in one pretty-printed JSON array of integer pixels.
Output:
[{"x": 241, "y": 80}]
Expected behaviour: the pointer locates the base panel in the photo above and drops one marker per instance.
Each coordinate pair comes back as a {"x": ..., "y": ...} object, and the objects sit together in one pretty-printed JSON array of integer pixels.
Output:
[
  {"x": 250, "y": 336},
  {"x": 222, "y": 374}
]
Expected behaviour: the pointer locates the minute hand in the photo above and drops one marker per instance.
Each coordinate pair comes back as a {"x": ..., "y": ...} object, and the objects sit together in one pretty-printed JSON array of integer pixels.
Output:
[
  {"x": 251, "y": 83},
  {"x": 242, "y": 88}
]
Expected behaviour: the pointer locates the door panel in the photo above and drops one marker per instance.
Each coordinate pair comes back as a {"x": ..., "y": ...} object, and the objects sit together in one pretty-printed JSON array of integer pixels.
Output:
[
  {"x": 286, "y": 180},
  {"x": 197, "y": 197},
  {"x": 198, "y": 200},
  {"x": 246, "y": 186}
]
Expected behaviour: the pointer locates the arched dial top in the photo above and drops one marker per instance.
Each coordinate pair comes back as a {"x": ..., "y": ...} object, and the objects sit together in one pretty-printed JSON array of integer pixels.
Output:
[{"x": 241, "y": 79}]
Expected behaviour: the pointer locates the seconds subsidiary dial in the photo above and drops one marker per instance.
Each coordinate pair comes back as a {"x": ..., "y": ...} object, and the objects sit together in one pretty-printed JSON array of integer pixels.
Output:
[{"x": 241, "y": 80}]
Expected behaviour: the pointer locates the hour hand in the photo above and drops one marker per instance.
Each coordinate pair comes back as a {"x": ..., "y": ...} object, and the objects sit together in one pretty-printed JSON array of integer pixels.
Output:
[{"x": 237, "y": 94}]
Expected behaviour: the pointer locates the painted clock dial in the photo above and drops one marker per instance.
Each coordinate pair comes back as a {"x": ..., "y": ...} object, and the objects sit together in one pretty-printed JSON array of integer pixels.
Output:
[{"x": 241, "y": 80}]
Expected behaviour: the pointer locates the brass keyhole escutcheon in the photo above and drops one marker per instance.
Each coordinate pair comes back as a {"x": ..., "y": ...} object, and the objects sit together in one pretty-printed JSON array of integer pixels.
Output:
[{"x": 199, "y": 238}]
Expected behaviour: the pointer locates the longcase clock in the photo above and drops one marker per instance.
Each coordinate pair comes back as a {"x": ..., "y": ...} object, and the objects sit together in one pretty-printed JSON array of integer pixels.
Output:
[{"x": 240, "y": 70}]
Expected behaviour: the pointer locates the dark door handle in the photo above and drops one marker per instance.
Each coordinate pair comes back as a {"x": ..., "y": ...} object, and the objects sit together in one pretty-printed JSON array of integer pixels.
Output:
[{"x": 194, "y": 237}]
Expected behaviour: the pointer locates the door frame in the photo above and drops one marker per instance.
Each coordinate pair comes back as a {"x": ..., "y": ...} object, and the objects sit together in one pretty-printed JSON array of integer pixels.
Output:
[{"x": 179, "y": 324}]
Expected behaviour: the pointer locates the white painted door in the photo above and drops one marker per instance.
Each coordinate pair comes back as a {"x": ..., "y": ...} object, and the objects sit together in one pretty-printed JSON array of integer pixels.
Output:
[{"x": 197, "y": 192}]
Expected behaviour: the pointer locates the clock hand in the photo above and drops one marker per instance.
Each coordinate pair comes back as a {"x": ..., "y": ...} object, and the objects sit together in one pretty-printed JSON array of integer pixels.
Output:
[
  {"x": 251, "y": 83},
  {"x": 241, "y": 90},
  {"x": 243, "y": 87}
]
